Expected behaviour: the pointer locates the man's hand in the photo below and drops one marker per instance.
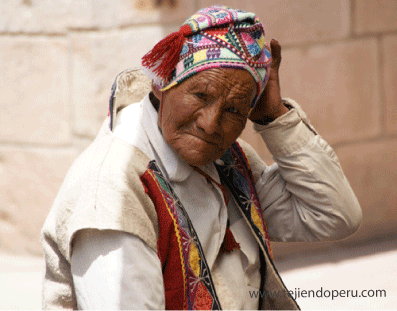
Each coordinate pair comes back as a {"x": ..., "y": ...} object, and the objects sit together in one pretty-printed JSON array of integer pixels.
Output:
[{"x": 270, "y": 106}]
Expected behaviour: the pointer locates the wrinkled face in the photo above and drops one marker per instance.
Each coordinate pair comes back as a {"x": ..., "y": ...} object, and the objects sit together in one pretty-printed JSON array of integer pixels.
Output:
[{"x": 201, "y": 117}]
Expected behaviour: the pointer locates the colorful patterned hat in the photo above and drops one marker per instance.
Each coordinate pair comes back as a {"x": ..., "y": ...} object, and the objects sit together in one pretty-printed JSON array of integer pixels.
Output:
[{"x": 213, "y": 37}]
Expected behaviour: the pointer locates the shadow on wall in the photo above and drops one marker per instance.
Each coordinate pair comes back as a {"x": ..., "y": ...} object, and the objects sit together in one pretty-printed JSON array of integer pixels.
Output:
[{"x": 290, "y": 256}]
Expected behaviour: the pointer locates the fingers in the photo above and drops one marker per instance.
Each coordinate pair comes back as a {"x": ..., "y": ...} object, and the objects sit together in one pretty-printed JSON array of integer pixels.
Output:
[{"x": 276, "y": 53}]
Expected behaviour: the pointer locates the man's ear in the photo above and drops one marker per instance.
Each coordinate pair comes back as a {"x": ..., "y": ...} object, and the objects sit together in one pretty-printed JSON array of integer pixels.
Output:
[
  {"x": 157, "y": 103},
  {"x": 156, "y": 90}
]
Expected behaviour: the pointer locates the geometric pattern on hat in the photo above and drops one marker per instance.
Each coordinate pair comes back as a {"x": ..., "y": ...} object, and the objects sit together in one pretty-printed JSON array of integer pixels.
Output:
[{"x": 214, "y": 37}]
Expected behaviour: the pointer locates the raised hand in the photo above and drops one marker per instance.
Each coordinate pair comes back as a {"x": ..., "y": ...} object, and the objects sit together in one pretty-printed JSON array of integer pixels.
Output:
[{"x": 270, "y": 106}]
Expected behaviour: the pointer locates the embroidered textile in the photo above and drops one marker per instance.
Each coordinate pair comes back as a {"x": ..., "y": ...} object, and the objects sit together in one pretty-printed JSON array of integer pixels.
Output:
[
  {"x": 234, "y": 171},
  {"x": 184, "y": 252},
  {"x": 198, "y": 290}
]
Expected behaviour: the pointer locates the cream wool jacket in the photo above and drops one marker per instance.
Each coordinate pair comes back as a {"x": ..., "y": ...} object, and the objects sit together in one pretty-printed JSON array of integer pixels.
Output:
[{"x": 103, "y": 190}]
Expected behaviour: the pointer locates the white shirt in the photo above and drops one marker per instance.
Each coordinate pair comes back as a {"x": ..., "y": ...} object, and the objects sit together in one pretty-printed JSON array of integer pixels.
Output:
[{"x": 305, "y": 197}]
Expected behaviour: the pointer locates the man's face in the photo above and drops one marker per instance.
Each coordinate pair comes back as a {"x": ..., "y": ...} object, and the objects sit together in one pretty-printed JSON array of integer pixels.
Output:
[{"x": 201, "y": 117}]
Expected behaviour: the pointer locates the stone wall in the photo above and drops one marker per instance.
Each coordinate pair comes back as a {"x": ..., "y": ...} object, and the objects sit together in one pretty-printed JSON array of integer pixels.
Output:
[{"x": 58, "y": 60}]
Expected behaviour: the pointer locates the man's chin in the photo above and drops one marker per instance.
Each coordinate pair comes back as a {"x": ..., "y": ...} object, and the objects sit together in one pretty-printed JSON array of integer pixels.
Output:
[{"x": 200, "y": 159}]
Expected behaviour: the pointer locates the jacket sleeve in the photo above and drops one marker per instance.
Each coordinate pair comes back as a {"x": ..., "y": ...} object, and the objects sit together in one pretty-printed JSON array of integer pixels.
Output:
[
  {"x": 116, "y": 270},
  {"x": 305, "y": 195}
]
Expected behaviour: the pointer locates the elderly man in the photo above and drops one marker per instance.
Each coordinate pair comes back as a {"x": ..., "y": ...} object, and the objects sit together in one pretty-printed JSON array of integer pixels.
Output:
[{"x": 168, "y": 208}]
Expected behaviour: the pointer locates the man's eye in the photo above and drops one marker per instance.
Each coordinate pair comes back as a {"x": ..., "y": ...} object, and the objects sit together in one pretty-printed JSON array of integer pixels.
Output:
[
  {"x": 200, "y": 95},
  {"x": 232, "y": 110}
]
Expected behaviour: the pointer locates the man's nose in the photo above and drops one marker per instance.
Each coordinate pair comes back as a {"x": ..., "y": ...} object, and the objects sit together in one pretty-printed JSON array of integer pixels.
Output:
[{"x": 209, "y": 120}]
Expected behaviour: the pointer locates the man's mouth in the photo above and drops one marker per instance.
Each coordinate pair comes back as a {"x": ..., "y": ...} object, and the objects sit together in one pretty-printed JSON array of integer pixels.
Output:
[{"x": 207, "y": 140}]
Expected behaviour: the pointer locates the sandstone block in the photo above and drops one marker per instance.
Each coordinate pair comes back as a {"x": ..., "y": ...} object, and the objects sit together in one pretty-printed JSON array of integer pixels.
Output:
[
  {"x": 123, "y": 13},
  {"x": 389, "y": 48},
  {"x": 43, "y": 16},
  {"x": 372, "y": 172},
  {"x": 34, "y": 91},
  {"x": 297, "y": 21},
  {"x": 59, "y": 16},
  {"x": 338, "y": 87},
  {"x": 97, "y": 59},
  {"x": 29, "y": 182},
  {"x": 375, "y": 16}
]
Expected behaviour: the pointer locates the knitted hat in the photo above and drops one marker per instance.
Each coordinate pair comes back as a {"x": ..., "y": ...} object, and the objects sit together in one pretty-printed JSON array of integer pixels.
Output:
[{"x": 213, "y": 37}]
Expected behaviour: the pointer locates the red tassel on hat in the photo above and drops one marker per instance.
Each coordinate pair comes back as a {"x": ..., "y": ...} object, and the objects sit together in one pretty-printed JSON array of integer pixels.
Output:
[{"x": 165, "y": 55}]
